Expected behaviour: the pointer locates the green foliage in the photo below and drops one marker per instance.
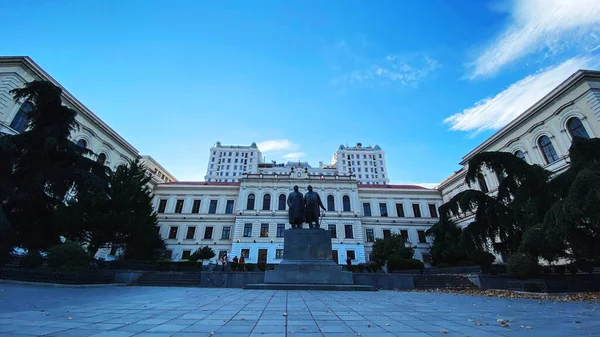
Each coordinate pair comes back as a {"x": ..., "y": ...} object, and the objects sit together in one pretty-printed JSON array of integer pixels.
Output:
[
  {"x": 444, "y": 265},
  {"x": 522, "y": 266},
  {"x": 234, "y": 266},
  {"x": 68, "y": 254},
  {"x": 360, "y": 268},
  {"x": 397, "y": 262},
  {"x": 262, "y": 266},
  {"x": 202, "y": 253},
  {"x": 33, "y": 259},
  {"x": 560, "y": 270},
  {"x": 250, "y": 266},
  {"x": 448, "y": 246},
  {"x": 393, "y": 245},
  {"x": 163, "y": 265},
  {"x": 373, "y": 267},
  {"x": 484, "y": 259}
]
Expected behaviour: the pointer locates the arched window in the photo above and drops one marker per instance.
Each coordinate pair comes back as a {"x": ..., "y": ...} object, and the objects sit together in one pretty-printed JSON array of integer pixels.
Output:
[
  {"x": 576, "y": 128},
  {"x": 330, "y": 203},
  {"x": 482, "y": 184},
  {"x": 266, "y": 202},
  {"x": 82, "y": 143},
  {"x": 520, "y": 155},
  {"x": 101, "y": 159},
  {"x": 21, "y": 119},
  {"x": 346, "y": 203},
  {"x": 547, "y": 149},
  {"x": 282, "y": 202},
  {"x": 250, "y": 203}
]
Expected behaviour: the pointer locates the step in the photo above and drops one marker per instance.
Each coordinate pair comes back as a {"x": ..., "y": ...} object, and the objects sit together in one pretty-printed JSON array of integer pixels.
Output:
[{"x": 311, "y": 286}]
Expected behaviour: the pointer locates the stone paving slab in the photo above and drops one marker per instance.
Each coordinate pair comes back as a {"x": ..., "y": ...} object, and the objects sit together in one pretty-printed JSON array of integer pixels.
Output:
[{"x": 30, "y": 310}]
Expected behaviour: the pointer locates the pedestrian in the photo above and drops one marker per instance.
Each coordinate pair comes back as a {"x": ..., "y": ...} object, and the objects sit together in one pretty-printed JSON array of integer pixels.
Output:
[
  {"x": 242, "y": 261},
  {"x": 235, "y": 259}
]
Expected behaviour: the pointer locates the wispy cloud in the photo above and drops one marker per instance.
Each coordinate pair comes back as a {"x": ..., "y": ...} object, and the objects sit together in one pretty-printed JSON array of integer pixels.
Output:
[
  {"x": 277, "y": 145},
  {"x": 549, "y": 26},
  {"x": 294, "y": 155},
  {"x": 494, "y": 112}
]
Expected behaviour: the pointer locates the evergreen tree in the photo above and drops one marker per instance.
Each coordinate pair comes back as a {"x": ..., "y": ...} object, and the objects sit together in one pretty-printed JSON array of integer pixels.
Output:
[{"x": 392, "y": 246}]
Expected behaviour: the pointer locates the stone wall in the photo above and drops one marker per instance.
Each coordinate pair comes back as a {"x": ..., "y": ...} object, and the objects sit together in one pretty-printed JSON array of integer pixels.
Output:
[{"x": 385, "y": 281}]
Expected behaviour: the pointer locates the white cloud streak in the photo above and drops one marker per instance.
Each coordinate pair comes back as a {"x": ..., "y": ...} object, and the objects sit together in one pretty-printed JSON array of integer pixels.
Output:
[
  {"x": 540, "y": 25},
  {"x": 294, "y": 155},
  {"x": 277, "y": 145},
  {"x": 495, "y": 112}
]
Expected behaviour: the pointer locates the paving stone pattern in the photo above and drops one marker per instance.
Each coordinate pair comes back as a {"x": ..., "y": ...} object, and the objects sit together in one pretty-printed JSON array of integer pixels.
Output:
[{"x": 27, "y": 310}]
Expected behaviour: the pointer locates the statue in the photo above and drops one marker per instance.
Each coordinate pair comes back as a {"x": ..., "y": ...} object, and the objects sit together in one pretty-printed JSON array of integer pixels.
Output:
[
  {"x": 312, "y": 202},
  {"x": 295, "y": 202}
]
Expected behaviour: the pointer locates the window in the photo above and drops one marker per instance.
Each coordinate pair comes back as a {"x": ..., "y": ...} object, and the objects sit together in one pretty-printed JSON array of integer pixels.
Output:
[
  {"x": 186, "y": 254},
  {"x": 264, "y": 230},
  {"x": 113, "y": 251},
  {"x": 346, "y": 203},
  {"x": 247, "y": 230},
  {"x": 280, "y": 230},
  {"x": 333, "y": 230},
  {"x": 416, "y": 210},
  {"x": 208, "y": 233},
  {"x": 520, "y": 154},
  {"x": 21, "y": 119},
  {"x": 162, "y": 204},
  {"x": 349, "y": 232},
  {"x": 226, "y": 233},
  {"x": 482, "y": 183},
  {"x": 222, "y": 253},
  {"x": 246, "y": 253},
  {"x": 370, "y": 235},
  {"x": 351, "y": 254},
  {"x": 383, "y": 209},
  {"x": 330, "y": 203},
  {"x": 82, "y": 143},
  {"x": 548, "y": 150},
  {"x": 169, "y": 254},
  {"x": 250, "y": 203},
  {"x": 422, "y": 237},
  {"x": 196, "y": 206},
  {"x": 229, "y": 207},
  {"x": 278, "y": 254},
  {"x": 366, "y": 209},
  {"x": 404, "y": 234},
  {"x": 101, "y": 159},
  {"x": 282, "y": 202},
  {"x": 191, "y": 231},
  {"x": 266, "y": 202},
  {"x": 433, "y": 210},
  {"x": 179, "y": 206},
  {"x": 173, "y": 232},
  {"x": 387, "y": 233},
  {"x": 576, "y": 129},
  {"x": 212, "y": 208},
  {"x": 400, "y": 210}
]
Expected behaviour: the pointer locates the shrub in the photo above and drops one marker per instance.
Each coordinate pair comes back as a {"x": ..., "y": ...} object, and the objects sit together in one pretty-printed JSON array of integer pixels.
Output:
[
  {"x": 560, "y": 270},
  {"x": 398, "y": 263},
  {"x": 374, "y": 267},
  {"x": 234, "y": 265},
  {"x": 572, "y": 268},
  {"x": 163, "y": 265},
  {"x": 465, "y": 264},
  {"x": 33, "y": 259},
  {"x": 204, "y": 253},
  {"x": 250, "y": 266},
  {"x": 262, "y": 266},
  {"x": 483, "y": 259},
  {"x": 522, "y": 266},
  {"x": 69, "y": 254},
  {"x": 350, "y": 268},
  {"x": 444, "y": 265},
  {"x": 585, "y": 266},
  {"x": 360, "y": 268}
]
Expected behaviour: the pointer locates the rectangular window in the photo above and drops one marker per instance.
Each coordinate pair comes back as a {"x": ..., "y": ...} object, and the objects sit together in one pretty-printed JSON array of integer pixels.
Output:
[
  {"x": 400, "y": 210},
  {"x": 191, "y": 231},
  {"x": 212, "y": 208},
  {"x": 279, "y": 254},
  {"x": 196, "y": 206},
  {"x": 208, "y": 233},
  {"x": 404, "y": 234},
  {"x": 366, "y": 209},
  {"x": 226, "y": 233},
  {"x": 333, "y": 230},
  {"x": 179, "y": 206},
  {"x": 349, "y": 232},
  {"x": 247, "y": 230},
  {"x": 173, "y": 232},
  {"x": 370, "y": 235},
  {"x": 162, "y": 204},
  {"x": 422, "y": 237},
  {"x": 186, "y": 254},
  {"x": 416, "y": 210},
  {"x": 351, "y": 254},
  {"x": 387, "y": 233},
  {"x": 229, "y": 207},
  {"x": 264, "y": 230},
  {"x": 280, "y": 230},
  {"x": 383, "y": 209},
  {"x": 433, "y": 210},
  {"x": 113, "y": 251},
  {"x": 246, "y": 253}
]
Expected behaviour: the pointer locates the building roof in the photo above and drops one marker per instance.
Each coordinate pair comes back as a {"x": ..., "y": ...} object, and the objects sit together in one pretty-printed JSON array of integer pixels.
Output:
[
  {"x": 405, "y": 187},
  {"x": 165, "y": 171},
  {"x": 201, "y": 183}
]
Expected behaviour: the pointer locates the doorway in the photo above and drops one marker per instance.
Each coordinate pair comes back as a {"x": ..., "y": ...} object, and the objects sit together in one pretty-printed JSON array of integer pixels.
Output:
[
  {"x": 334, "y": 256},
  {"x": 262, "y": 256}
]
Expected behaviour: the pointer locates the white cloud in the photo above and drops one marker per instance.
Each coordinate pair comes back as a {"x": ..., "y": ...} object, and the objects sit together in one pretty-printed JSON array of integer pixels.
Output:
[
  {"x": 541, "y": 25},
  {"x": 294, "y": 155},
  {"x": 277, "y": 145},
  {"x": 494, "y": 112}
]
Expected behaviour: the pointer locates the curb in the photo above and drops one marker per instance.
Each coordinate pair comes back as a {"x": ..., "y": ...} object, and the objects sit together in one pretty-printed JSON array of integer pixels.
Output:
[{"x": 60, "y": 285}]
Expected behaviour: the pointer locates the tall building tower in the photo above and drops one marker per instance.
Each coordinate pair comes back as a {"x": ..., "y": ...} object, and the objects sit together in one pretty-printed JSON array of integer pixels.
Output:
[
  {"x": 366, "y": 163},
  {"x": 228, "y": 163}
]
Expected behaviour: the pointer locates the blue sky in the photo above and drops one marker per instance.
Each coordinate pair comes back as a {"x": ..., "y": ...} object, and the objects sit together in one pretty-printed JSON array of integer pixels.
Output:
[{"x": 426, "y": 80}]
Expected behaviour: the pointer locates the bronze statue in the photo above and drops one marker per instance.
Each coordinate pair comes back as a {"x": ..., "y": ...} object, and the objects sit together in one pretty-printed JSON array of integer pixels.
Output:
[
  {"x": 295, "y": 202},
  {"x": 312, "y": 202}
]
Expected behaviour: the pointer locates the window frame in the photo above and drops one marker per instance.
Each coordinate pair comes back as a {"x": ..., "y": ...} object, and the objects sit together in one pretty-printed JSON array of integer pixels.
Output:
[
  {"x": 251, "y": 201},
  {"x": 173, "y": 235},
  {"x": 346, "y": 205},
  {"x": 400, "y": 214},
  {"x": 547, "y": 150},
  {"x": 370, "y": 235},
  {"x": 266, "y": 202},
  {"x": 264, "y": 233},
  {"x": 229, "y": 206},
  {"x": 367, "y": 209},
  {"x": 280, "y": 230},
  {"x": 330, "y": 203},
  {"x": 162, "y": 206},
  {"x": 193, "y": 232},
  {"x": 346, "y": 236},
  {"x": 383, "y": 211},
  {"x": 208, "y": 230},
  {"x": 282, "y": 202},
  {"x": 247, "y": 226},
  {"x": 417, "y": 211},
  {"x": 223, "y": 231},
  {"x": 212, "y": 206},
  {"x": 333, "y": 230},
  {"x": 579, "y": 127},
  {"x": 196, "y": 206},
  {"x": 179, "y": 206}
]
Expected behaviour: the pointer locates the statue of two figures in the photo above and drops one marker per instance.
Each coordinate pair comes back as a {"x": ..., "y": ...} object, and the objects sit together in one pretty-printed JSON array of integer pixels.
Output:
[{"x": 304, "y": 208}]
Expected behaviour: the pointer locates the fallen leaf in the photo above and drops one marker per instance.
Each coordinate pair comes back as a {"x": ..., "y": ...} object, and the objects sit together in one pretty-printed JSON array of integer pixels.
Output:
[
  {"x": 528, "y": 327},
  {"x": 212, "y": 333},
  {"x": 284, "y": 314},
  {"x": 578, "y": 322},
  {"x": 444, "y": 331},
  {"x": 368, "y": 325},
  {"x": 70, "y": 318},
  {"x": 387, "y": 324}
]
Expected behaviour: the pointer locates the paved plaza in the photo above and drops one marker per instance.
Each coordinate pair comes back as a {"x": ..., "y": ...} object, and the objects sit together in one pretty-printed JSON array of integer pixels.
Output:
[{"x": 31, "y": 310}]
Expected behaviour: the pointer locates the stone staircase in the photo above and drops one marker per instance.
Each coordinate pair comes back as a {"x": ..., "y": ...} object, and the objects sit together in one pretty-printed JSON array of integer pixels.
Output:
[
  {"x": 169, "y": 279},
  {"x": 443, "y": 282}
]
